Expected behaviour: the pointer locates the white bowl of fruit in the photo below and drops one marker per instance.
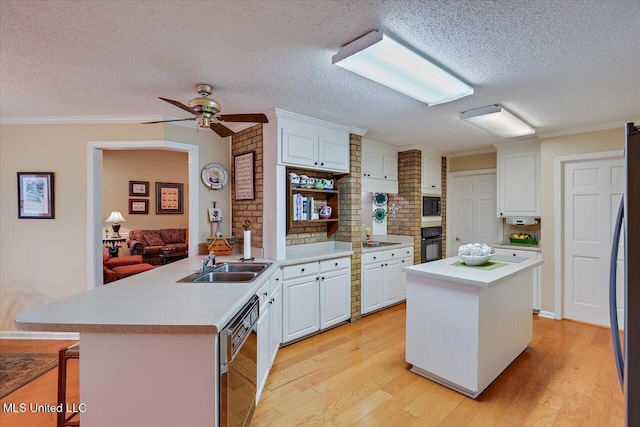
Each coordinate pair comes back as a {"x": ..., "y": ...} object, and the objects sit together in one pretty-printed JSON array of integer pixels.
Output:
[{"x": 475, "y": 253}]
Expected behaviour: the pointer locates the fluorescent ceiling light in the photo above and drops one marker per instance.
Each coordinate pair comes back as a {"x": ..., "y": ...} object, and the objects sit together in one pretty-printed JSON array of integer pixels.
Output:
[
  {"x": 379, "y": 58},
  {"x": 498, "y": 121}
]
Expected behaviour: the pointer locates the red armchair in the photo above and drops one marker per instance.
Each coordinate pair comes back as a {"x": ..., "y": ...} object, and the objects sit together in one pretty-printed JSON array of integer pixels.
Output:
[{"x": 121, "y": 267}]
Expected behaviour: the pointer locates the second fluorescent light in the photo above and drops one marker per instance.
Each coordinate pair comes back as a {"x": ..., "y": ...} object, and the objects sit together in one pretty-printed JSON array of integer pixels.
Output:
[
  {"x": 498, "y": 121},
  {"x": 378, "y": 57}
]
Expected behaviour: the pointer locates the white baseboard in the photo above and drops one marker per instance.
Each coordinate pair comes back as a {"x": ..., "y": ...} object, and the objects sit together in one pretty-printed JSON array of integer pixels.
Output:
[
  {"x": 547, "y": 314},
  {"x": 33, "y": 335}
]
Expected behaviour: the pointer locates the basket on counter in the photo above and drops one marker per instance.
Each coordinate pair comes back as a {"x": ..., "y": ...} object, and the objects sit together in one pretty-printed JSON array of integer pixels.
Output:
[
  {"x": 527, "y": 240},
  {"x": 221, "y": 246}
]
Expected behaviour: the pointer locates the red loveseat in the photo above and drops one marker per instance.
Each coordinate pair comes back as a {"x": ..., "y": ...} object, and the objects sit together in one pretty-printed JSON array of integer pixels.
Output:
[
  {"x": 150, "y": 244},
  {"x": 121, "y": 267}
]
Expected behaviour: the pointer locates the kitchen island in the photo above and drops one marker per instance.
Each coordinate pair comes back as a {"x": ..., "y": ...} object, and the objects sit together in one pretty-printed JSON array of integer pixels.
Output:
[
  {"x": 465, "y": 324},
  {"x": 150, "y": 345}
]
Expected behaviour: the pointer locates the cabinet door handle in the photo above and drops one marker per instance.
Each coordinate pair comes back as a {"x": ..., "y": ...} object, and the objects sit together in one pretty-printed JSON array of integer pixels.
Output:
[
  {"x": 315, "y": 163},
  {"x": 322, "y": 277},
  {"x": 302, "y": 271},
  {"x": 317, "y": 278},
  {"x": 336, "y": 264},
  {"x": 385, "y": 177},
  {"x": 322, "y": 164},
  {"x": 277, "y": 279},
  {"x": 375, "y": 257},
  {"x": 265, "y": 294}
]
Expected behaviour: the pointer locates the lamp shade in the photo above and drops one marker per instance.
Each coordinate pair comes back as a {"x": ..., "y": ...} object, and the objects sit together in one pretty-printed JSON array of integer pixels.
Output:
[
  {"x": 378, "y": 57},
  {"x": 115, "y": 217},
  {"x": 498, "y": 121}
]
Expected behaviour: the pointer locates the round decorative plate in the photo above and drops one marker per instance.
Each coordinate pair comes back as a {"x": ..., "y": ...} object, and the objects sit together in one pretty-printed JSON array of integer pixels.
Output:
[
  {"x": 379, "y": 215},
  {"x": 380, "y": 199},
  {"x": 214, "y": 175}
]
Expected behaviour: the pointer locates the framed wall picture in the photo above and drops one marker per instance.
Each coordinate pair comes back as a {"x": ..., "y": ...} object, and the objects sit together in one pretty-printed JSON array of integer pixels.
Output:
[
  {"x": 139, "y": 188},
  {"x": 138, "y": 206},
  {"x": 169, "y": 198},
  {"x": 35, "y": 195},
  {"x": 244, "y": 175}
]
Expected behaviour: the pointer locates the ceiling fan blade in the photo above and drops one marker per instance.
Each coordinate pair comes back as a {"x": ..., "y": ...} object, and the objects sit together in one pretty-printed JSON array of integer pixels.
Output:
[
  {"x": 167, "y": 121},
  {"x": 221, "y": 129},
  {"x": 179, "y": 105},
  {"x": 253, "y": 118}
]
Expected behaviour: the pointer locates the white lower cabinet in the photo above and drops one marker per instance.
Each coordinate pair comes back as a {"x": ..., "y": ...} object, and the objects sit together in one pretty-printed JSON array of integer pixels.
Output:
[
  {"x": 316, "y": 295},
  {"x": 269, "y": 327},
  {"x": 405, "y": 261},
  {"x": 382, "y": 278},
  {"x": 537, "y": 275}
]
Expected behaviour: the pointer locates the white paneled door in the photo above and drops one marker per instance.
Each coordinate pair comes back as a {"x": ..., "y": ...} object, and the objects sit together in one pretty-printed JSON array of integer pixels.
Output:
[
  {"x": 592, "y": 192},
  {"x": 474, "y": 210}
]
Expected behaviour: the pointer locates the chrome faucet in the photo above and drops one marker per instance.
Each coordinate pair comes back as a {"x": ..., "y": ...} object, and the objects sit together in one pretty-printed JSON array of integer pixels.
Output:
[{"x": 211, "y": 258}]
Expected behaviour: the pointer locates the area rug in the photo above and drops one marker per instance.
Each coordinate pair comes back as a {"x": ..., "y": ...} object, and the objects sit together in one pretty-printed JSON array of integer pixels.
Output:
[{"x": 17, "y": 369}]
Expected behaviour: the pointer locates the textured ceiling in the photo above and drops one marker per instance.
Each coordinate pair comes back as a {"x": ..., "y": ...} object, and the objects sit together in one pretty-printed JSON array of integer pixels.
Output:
[{"x": 561, "y": 65}]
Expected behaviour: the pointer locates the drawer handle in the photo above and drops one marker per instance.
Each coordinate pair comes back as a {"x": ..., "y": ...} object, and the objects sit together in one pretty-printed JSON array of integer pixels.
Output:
[
  {"x": 375, "y": 257},
  {"x": 302, "y": 271},
  {"x": 322, "y": 277},
  {"x": 336, "y": 264},
  {"x": 264, "y": 294},
  {"x": 277, "y": 278},
  {"x": 317, "y": 278}
]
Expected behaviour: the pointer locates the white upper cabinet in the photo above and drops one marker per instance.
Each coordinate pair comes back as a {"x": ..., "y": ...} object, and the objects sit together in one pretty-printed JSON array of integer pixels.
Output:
[
  {"x": 431, "y": 176},
  {"x": 518, "y": 179},
  {"x": 313, "y": 144},
  {"x": 379, "y": 168}
]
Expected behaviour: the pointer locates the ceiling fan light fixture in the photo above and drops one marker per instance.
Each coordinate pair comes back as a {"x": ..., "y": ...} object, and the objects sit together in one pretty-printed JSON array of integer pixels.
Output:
[
  {"x": 498, "y": 121},
  {"x": 378, "y": 57}
]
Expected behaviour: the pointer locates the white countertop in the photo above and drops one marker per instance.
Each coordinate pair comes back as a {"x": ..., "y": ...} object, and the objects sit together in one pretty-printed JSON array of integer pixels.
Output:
[
  {"x": 404, "y": 242},
  {"x": 152, "y": 302},
  {"x": 444, "y": 270},
  {"x": 149, "y": 302}
]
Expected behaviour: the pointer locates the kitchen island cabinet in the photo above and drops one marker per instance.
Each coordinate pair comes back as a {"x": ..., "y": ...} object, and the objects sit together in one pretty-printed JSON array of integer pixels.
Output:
[
  {"x": 149, "y": 345},
  {"x": 465, "y": 325}
]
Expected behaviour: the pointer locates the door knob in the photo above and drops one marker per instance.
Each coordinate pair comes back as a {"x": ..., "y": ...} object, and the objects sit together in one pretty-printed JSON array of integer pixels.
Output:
[{"x": 457, "y": 238}]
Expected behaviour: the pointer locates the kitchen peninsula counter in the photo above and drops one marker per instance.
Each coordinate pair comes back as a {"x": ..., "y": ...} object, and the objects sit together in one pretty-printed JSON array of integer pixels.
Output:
[{"x": 465, "y": 325}]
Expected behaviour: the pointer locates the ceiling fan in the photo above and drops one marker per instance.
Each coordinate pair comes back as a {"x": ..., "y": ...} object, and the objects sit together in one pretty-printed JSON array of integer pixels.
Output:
[{"x": 206, "y": 112}]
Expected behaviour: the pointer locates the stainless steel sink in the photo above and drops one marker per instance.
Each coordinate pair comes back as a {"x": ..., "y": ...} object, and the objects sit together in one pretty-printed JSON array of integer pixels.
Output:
[
  {"x": 241, "y": 267},
  {"x": 220, "y": 276},
  {"x": 378, "y": 244},
  {"x": 228, "y": 272}
]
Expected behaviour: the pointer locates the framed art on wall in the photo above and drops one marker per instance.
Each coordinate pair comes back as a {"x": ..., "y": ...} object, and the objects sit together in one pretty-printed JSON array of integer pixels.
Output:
[
  {"x": 138, "y": 206},
  {"x": 169, "y": 198},
  {"x": 244, "y": 175},
  {"x": 139, "y": 188},
  {"x": 35, "y": 195}
]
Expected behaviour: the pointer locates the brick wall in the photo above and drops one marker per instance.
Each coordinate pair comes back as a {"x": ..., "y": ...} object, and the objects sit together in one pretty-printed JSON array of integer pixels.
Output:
[
  {"x": 350, "y": 228},
  {"x": 408, "y": 200},
  {"x": 248, "y": 140},
  {"x": 443, "y": 200}
]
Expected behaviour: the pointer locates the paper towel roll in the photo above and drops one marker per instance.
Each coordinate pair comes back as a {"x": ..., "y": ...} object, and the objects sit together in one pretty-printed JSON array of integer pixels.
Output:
[{"x": 247, "y": 244}]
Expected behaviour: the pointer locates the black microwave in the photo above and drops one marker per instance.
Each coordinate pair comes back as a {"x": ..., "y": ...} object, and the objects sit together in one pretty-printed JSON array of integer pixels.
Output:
[{"x": 431, "y": 206}]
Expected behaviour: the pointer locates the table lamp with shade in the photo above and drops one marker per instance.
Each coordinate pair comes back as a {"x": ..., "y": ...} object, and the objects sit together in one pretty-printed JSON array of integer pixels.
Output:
[{"x": 115, "y": 219}]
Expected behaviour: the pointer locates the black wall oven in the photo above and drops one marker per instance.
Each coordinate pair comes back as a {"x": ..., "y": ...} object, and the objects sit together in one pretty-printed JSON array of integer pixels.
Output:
[
  {"x": 431, "y": 249},
  {"x": 431, "y": 206}
]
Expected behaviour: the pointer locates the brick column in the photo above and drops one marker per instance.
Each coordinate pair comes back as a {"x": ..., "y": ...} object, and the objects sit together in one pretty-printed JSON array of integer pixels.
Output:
[
  {"x": 350, "y": 229},
  {"x": 443, "y": 185},
  {"x": 248, "y": 140},
  {"x": 408, "y": 200}
]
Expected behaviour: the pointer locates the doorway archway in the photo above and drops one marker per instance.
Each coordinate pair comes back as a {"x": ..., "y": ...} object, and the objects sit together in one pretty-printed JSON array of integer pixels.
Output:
[{"x": 94, "y": 196}]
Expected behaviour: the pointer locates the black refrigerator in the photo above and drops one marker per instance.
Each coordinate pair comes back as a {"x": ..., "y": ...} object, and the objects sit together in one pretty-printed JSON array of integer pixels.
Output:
[{"x": 628, "y": 362}]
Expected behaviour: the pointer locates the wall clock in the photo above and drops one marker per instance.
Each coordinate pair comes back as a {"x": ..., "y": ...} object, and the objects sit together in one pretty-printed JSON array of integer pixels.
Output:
[{"x": 214, "y": 176}]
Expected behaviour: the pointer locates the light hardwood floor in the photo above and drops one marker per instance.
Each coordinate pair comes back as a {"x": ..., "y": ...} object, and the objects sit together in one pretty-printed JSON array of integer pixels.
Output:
[{"x": 356, "y": 375}]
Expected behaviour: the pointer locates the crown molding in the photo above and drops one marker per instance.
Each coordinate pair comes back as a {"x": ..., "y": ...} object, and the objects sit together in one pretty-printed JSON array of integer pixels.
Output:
[
  {"x": 471, "y": 153},
  {"x": 589, "y": 128},
  {"x": 27, "y": 120}
]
